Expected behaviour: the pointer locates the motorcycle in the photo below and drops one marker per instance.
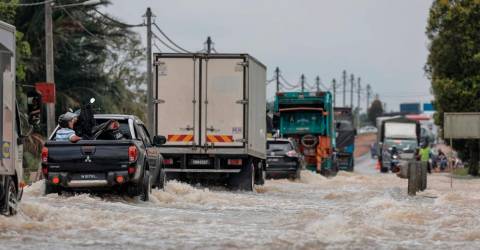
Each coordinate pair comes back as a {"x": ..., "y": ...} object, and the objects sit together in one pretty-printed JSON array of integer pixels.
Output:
[
  {"x": 394, "y": 160},
  {"x": 87, "y": 128}
]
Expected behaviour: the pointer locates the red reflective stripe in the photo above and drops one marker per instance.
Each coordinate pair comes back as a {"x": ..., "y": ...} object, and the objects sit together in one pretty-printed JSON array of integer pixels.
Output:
[
  {"x": 181, "y": 137},
  {"x": 220, "y": 138}
]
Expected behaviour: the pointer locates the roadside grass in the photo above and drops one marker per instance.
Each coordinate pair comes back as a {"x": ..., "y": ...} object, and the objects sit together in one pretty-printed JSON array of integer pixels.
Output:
[
  {"x": 463, "y": 172},
  {"x": 460, "y": 171}
]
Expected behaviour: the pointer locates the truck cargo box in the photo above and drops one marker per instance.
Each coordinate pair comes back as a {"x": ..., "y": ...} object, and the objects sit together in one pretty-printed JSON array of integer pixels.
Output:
[{"x": 211, "y": 103}]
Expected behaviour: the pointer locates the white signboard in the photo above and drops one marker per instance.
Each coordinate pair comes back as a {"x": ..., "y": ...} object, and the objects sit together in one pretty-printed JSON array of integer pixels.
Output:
[{"x": 461, "y": 125}]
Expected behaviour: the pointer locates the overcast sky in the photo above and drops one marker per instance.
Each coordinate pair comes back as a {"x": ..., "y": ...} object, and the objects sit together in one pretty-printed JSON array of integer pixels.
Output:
[{"x": 381, "y": 41}]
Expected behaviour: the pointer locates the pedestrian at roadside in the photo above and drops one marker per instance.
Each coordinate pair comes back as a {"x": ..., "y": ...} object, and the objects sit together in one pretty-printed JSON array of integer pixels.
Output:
[
  {"x": 425, "y": 154},
  {"x": 442, "y": 159}
]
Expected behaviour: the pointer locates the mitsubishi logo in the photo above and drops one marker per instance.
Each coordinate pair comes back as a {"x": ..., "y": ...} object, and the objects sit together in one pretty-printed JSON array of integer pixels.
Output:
[{"x": 88, "y": 160}]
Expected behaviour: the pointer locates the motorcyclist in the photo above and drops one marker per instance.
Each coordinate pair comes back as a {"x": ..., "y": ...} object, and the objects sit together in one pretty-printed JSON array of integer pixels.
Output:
[{"x": 66, "y": 133}]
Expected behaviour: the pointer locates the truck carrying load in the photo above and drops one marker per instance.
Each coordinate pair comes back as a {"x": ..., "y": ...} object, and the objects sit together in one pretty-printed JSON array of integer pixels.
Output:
[
  {"x": 345, "y": 138},
  {"x": 11, "y": 170},
  {"x": 307, "y": 117},
  {"x": 212, "y": 109}
]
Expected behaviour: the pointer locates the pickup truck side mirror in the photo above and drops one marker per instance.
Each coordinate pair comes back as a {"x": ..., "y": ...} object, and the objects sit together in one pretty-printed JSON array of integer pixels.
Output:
[{"x": 159, "y": 140}]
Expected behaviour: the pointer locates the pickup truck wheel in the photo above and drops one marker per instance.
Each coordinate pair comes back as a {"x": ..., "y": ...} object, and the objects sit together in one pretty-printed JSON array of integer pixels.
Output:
[
  {"x": 11, "y": 197},
  {"x": 50, "y": 189},
  {"x": 162, "y": 180},
  {"x": 298, "y": 174},
  {"x": 146, "y": 186},
  {"x": 245, "y": 179}
]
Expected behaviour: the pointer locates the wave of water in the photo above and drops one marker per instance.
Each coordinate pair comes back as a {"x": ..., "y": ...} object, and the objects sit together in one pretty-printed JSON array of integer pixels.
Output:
[{"x": 348, "y": 211}]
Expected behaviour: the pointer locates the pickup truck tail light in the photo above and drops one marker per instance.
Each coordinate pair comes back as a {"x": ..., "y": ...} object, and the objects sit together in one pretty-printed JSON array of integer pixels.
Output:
[
  {"x": 234, "y": 162},
  {"x": 168, "y": 161},
  {"x": 292, "y": 153},
  {"x": 132, "y": 153},
  {"x": 44, "y": 154},
  {"x": 132, "y": 170}
]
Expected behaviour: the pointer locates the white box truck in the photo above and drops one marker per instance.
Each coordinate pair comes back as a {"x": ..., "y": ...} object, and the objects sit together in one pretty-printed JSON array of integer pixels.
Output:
[
  {"x": 11, "y": 171},
  {"x": 212, "y": 110}
]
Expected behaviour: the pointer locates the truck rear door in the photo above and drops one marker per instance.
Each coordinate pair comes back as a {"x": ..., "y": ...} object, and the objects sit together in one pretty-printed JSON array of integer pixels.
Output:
[
  {"x": 177, "y": 94},
  {"x": 223, "y": 101}
]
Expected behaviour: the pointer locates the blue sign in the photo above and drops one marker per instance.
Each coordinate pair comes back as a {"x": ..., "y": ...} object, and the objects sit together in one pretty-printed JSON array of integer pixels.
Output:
[{"x": 428, "y": 107}]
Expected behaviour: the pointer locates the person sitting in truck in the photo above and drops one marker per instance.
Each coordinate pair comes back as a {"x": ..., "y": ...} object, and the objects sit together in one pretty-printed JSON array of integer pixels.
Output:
[{"x": 66, "y": 133}]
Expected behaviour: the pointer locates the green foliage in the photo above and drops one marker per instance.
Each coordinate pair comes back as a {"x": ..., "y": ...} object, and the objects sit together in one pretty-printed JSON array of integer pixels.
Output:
[
  {"x": 375, "y": 110},
  {"x": 453, "y": 64},
  {"x": 7, "y": 11}
]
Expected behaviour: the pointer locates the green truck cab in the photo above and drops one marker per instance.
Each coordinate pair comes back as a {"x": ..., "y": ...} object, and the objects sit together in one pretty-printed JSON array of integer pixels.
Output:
[{"x": 307, "y": 118}]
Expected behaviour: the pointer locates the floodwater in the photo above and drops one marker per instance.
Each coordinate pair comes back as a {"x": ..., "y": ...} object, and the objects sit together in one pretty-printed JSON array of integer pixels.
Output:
[{"x": 361, "y": 210}]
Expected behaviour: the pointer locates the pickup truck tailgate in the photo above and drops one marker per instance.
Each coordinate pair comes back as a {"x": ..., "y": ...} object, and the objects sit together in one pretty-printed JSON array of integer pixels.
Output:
[{"x": 88, "y": 155}]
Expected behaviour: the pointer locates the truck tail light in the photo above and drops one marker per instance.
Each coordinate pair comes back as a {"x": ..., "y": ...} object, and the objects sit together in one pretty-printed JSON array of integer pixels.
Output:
[
  {"x": 55, "y": 180},
  {"x": 44, "y": 154},
  {"x": 168, "y": 161},
  {"x": 132, "y": 153},
  {"x": 234, "y": 162},
  {"x": 132, "y": 170},
  {"x": 120, "y": 179},
  {"x": 292, "y": 153}
]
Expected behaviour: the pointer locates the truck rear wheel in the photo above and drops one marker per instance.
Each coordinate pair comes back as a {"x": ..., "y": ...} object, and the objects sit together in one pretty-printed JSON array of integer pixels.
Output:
[
  {"x": 10, "y": 198},
  {"x": 146, "y": 188},
  {"x": 260, "y": 174},
  {"x": 50, "y": 189},
  {"x": 245, "y": 179},
  {"x": 162, "y": 179}
]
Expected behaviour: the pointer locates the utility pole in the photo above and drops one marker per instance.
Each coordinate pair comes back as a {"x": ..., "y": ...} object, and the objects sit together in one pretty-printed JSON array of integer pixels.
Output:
[
  {"x": 150, "y": 103},
  {"x": 359, "y": 87},
  {"x": 318, "y": 83},
  {"x": 334, "y": 87},
  {"x": 302, "y": 81},
  {"x": 277, "y": 78},
  {"x": 369, "y": 89},
  {"x": 49, "y": 65},
  {"x": 358, "y": 102},
  {"x": 352, "y": 82},
  {"x": 344, "y": 87},
  {"x": 209, "y": 45}
]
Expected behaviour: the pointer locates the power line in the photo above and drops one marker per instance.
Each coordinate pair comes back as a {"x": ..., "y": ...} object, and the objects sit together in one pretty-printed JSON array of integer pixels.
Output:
[
  {"x": 116, "y": 21},
  {"x": 288, "y": 83},
  {"x": 170, "y": 40},
  {"x": 79, "y": 23},
  {"x": 164, "y": 43},
  {"x": 156, "y": 46}
]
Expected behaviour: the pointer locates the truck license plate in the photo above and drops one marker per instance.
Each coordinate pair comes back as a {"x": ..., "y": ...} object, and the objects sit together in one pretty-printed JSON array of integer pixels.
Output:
[
  {"x": 92, "y": 176},
  {"x": 200, "y": 162}
]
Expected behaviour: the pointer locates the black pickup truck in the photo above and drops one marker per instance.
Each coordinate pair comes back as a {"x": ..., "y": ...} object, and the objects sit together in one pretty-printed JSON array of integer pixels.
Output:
[{"x": 129, "y": 163}]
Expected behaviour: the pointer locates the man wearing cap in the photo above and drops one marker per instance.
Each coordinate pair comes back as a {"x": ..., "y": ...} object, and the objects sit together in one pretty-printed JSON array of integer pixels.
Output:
[{"x": 66, "y": 132}]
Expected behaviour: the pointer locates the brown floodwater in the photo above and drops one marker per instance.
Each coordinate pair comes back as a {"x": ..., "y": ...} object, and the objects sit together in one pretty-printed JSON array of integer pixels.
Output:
[{"x": 352, "y": 210}]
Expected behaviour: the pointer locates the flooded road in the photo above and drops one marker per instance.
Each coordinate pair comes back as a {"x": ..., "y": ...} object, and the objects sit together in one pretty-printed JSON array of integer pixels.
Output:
[{"x": 353, "y": 210}]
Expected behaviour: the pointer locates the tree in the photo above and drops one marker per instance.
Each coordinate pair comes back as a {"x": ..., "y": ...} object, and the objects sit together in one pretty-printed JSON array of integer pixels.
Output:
[
  {"x": 375, "y": 110},
  {"x": 95, "y": 56},
  {"x": 453, "y": 64}
]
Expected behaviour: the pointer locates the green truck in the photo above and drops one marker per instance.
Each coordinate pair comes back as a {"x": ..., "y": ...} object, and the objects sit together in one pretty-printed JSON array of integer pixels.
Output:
[{"x": 307, "y": 118}]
